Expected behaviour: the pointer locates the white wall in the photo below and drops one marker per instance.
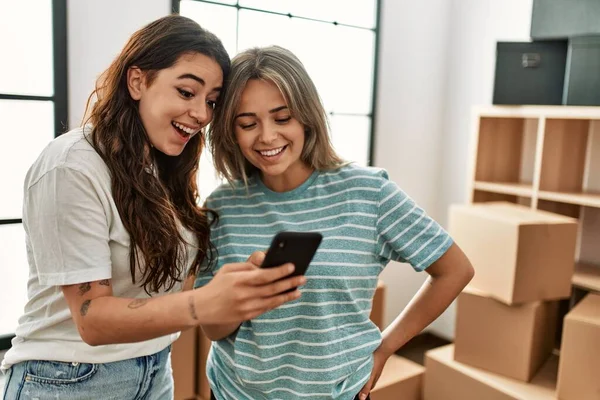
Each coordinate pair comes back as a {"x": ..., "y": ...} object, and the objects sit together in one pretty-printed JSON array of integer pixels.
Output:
[
  {"x": 475, "y": 27},
  {"x": 409, "y": 116},
  {"x": 97, "y": 31},
  {"x": 437, "y": 60}
]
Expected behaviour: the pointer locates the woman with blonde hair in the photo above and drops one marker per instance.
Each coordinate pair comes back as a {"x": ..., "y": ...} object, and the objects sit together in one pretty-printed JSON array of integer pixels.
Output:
[{"x": 270, "y": 140}]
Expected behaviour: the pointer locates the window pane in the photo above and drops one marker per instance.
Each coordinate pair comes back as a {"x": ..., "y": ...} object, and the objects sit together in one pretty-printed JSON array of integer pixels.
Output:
[
  {"x": 232, "y": 2},
  {"x": 359, "y": 12},
  {"x": 350, "y": 137},
  {"x": 340, "y": 62},
  {"x": 220, "y": 20},
  {"x": 22, "y": 142},
  {"x": 26, "y": 47},
  {"x": 15, "y": 270},
  {"x": 347, "y": 86}
]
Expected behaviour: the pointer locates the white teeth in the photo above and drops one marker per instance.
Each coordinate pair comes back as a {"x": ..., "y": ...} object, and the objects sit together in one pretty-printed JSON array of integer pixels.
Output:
[
  {"x": 271, "y": 153},
  {"x": 187, "y": 130}
]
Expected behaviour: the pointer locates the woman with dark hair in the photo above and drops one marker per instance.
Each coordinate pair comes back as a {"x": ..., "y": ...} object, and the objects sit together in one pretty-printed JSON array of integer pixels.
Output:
[{"x": 114, "y": 230}]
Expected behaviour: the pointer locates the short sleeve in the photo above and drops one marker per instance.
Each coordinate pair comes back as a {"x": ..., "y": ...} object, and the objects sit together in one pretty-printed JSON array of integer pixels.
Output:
[
  {"x": 67, "y": 229},
  {"x": 405, "y": 232}
]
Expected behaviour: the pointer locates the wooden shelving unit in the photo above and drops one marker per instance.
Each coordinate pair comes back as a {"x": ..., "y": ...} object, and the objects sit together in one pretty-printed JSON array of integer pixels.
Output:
[
  {"x": 547, "y": 158},
  {"x": 587, "y": 277}
]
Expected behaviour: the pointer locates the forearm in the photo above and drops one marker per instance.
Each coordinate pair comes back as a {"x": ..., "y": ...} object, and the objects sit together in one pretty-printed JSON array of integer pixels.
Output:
[
  {"x": 220, "y": 331},
  {"x": 432, "y": 299},
  {"x": 110, "y": 320}
]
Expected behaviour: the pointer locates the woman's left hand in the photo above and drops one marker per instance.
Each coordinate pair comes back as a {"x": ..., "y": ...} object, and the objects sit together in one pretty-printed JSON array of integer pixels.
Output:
[{"x": 380, "y": 357}]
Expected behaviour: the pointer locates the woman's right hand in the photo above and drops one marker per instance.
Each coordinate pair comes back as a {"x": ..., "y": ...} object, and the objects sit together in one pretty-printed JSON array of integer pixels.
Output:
[{"x": 243, "y": 291}]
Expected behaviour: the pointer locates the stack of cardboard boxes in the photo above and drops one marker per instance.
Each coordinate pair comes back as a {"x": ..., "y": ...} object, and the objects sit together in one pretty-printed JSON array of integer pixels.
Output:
[
  {"x": 507, "y": 317},
  {"x": 400, "y": 379}
]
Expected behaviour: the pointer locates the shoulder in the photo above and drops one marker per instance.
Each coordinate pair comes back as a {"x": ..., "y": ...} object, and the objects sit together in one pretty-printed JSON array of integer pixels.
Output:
[
  {"x": 234, "y": 192},
  {"x": 71, "y": 150},
  {"x": 353, "y": 175}
]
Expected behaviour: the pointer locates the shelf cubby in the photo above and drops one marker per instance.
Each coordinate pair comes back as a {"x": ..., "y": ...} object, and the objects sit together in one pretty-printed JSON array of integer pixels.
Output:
[
  {"x": 566, "y": 209},
  {"x": 505, "y": 153},
  {"x": 480, "y": 196},
  {"x": 587, "y": 277},
  {"x": 589, "y": 232},
  {"x": 547, "y": 158},
  {"x": 591, "y": 177},
  {"x": 564, "y": 155}
]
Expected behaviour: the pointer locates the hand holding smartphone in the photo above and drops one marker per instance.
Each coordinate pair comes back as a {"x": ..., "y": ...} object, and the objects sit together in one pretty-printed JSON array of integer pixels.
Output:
[{"x": 297, "y": 248}]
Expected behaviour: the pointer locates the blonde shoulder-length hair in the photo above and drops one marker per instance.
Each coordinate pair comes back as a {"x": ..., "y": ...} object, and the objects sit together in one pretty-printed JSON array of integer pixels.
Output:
[{"x": 285, "y": 70}]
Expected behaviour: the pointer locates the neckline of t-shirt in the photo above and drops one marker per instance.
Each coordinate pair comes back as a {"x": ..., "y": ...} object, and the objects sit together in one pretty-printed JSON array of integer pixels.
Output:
[{"x": 290, "y": 193}]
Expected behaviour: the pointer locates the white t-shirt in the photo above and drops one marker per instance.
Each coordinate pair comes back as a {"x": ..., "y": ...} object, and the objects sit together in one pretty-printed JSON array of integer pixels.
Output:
[{"x": 74, "y": 234}]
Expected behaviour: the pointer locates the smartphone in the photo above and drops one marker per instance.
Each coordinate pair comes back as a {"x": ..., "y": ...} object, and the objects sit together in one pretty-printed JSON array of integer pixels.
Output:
[{"x": 297, "y": 248}]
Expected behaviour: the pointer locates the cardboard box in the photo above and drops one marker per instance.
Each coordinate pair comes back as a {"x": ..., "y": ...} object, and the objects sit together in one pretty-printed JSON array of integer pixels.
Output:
[
  {"x": 519, "y": 254},
  {"x": 204, "y": 344},
  {"x": 579, "y": 373},
  {"x": 378, "y": 307},
  {"x": 400, "y": 379},
  {"x": 446, "y": 379},
  {"x": 509, "y": 340},
  {"x": 184, "y": 364}
]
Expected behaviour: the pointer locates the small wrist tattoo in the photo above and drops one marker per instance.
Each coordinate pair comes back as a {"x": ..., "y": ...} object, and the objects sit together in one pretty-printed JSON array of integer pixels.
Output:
[{"x": 192, "y": 307}]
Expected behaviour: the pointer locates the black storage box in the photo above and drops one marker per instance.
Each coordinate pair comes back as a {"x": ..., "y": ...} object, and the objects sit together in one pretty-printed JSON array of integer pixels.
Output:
[
  {"x": 560, "y": 19},
  {"x": 582, "y": 76},
  {"x": 530, "y": 72}
]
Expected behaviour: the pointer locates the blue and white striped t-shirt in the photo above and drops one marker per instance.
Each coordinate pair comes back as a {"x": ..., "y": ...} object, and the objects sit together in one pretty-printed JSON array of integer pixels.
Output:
[{"x": 321, "y": 345}]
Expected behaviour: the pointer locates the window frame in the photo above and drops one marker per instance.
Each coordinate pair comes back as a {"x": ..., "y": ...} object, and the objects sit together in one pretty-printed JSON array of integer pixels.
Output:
[
  {"x": 59, "y": 98},
  {"x": 175, "y": 7}
]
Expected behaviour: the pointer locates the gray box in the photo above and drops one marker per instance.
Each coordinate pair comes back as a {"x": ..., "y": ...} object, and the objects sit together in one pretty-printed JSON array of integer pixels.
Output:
[
  {"x": 582, "y": 75},
  {"x": 561, "y": 19},
  {"x": 530, "y": 72}
]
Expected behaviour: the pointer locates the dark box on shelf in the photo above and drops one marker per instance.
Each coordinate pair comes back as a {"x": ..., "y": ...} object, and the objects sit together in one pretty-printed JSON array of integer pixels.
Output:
[
  {"x": 558, "y": 19},
  {"x": 530, "y": 72},
  {"x": 582, "y": 76}
]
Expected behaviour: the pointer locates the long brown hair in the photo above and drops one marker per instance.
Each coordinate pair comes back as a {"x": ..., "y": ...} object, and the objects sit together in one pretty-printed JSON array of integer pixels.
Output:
[
  {"x": 284, "y": 69},
  {"x": 153, "y": 192}
]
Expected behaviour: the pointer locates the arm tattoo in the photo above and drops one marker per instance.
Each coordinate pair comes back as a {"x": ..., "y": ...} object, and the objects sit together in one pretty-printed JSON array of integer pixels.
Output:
[
  {"x": 104, "y": 282},
  {"x": 137, "y": 303},
  {"x": 192, "y": 307},
  {"x": 84, "y": 288},
  {"x": 85, "y": 307}
]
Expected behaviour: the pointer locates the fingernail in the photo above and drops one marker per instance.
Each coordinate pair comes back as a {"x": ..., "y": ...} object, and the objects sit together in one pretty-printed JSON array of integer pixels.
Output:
[
  {"x": 363, "y": 396},
  {"x": 290, "y": 268}
]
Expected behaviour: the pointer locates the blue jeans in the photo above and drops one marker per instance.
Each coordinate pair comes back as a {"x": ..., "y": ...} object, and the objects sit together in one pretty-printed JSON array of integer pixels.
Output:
[{"x": 143, "y": 378}]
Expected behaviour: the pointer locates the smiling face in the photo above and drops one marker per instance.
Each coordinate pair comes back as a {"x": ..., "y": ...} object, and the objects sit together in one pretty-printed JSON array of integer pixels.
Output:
[
  {"x": 178, "y": 101},
  {"x": 269, "y": 137}
]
